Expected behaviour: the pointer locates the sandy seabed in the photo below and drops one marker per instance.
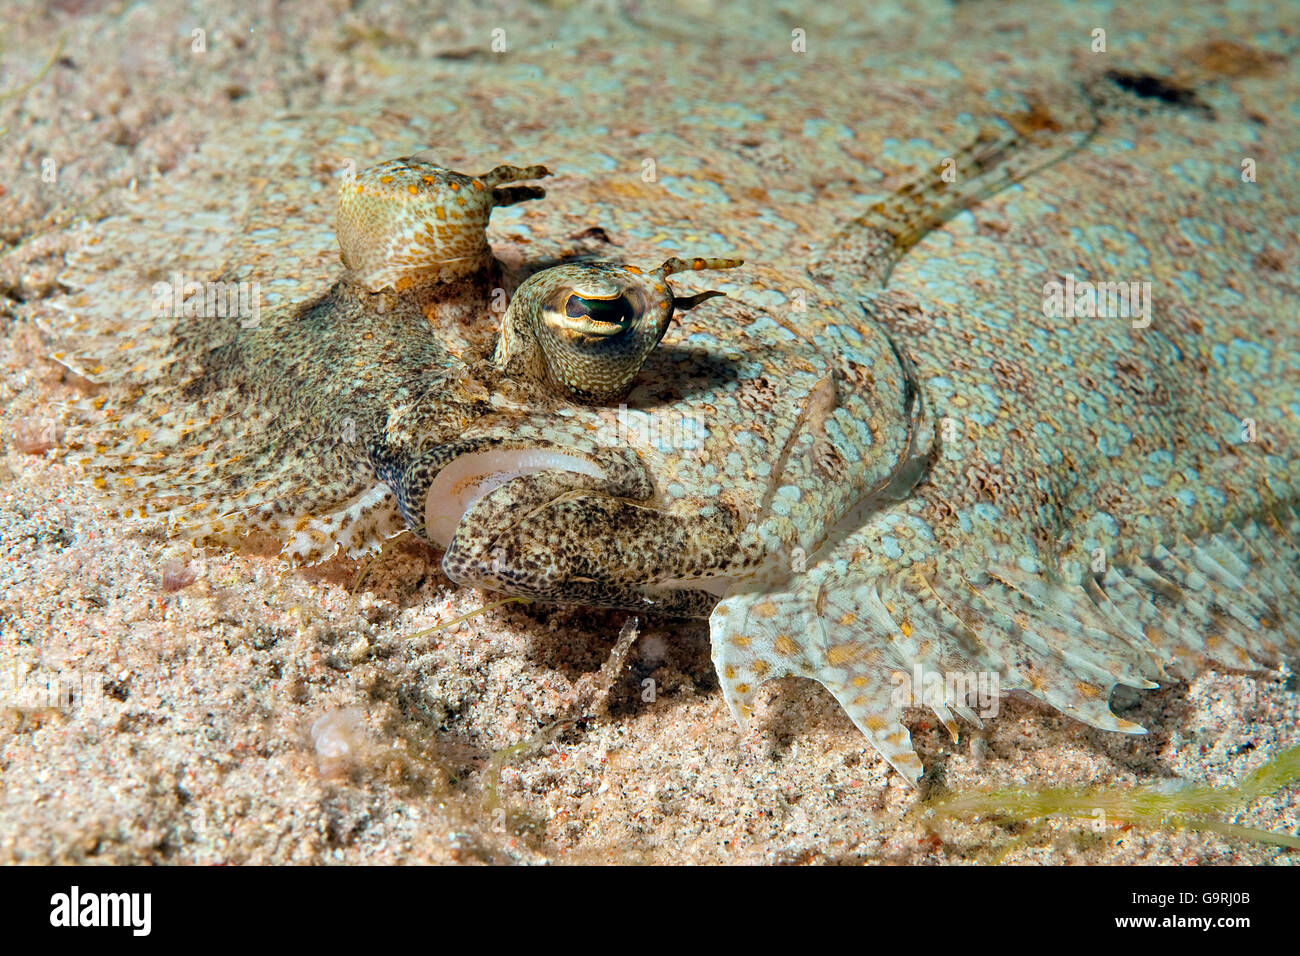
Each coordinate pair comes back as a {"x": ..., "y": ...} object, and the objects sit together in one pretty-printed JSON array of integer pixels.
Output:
[{"x": 167, "y": 707}]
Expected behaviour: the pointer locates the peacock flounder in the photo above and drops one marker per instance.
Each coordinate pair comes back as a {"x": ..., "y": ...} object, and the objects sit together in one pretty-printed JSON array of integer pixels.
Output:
[{"x": 1049, "y": 452}]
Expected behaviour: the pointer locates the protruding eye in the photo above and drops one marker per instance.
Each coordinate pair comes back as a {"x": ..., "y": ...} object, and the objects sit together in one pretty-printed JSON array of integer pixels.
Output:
[
  {"x": 585, "y": 329},
  {"x": 605, "y": 316}
]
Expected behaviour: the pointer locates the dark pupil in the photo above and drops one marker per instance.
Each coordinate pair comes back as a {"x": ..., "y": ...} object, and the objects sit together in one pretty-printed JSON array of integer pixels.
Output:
[{"x": 616, "y": 311}]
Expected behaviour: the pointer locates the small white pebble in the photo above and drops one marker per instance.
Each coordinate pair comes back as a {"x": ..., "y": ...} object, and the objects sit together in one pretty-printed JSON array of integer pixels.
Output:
[{"x": 337, "y": 735}]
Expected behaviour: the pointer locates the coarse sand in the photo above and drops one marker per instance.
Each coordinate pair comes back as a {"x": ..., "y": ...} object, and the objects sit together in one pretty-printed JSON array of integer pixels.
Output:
[{"x": 167, "y": 706}]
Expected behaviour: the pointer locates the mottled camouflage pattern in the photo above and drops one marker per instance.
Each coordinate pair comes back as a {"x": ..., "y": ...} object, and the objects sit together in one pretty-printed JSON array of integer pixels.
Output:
[{"x": 931, "y": 473}]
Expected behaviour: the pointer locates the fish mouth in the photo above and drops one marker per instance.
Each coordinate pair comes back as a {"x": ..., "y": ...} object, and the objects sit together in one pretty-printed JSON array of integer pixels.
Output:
[{"x": 466, "y": 479}]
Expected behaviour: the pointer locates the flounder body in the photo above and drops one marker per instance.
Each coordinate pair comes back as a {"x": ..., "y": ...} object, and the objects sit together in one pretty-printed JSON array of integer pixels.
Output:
[{"x": 897, "y": 473}]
